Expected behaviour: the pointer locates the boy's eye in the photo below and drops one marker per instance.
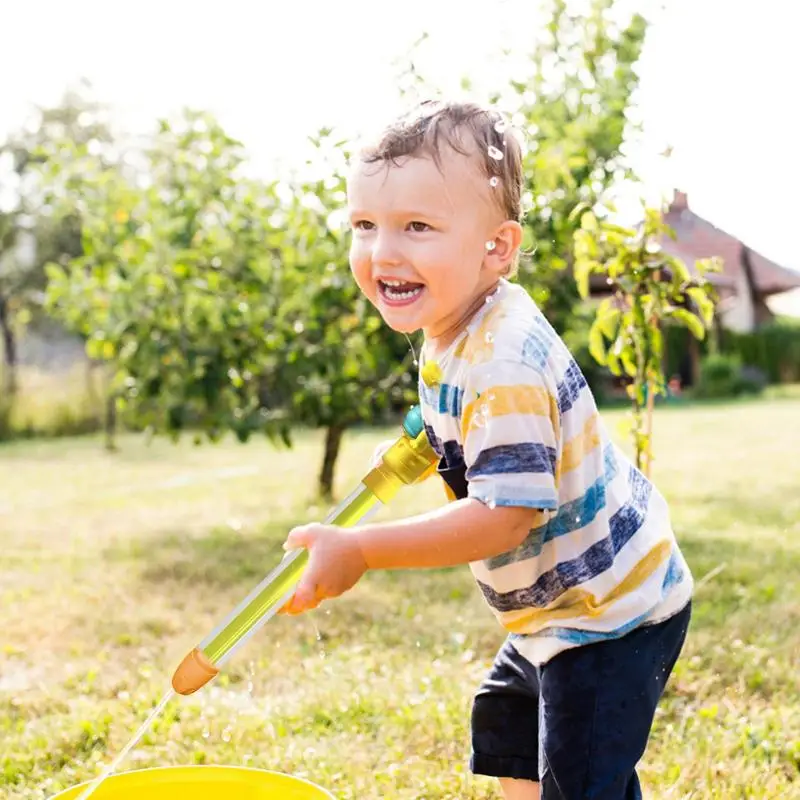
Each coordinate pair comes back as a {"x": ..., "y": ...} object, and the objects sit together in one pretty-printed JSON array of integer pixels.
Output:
[
  {"x": 363, "y": 225},
  {"x": 419, "y": 227}
]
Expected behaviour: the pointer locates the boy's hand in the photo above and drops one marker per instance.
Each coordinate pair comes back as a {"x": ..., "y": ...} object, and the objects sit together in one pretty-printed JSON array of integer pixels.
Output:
[{"x": 335, "y": 565}]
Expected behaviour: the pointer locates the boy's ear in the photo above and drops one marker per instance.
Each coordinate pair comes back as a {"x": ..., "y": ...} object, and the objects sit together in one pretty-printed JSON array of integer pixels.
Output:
[{"x": 503, "y": 248}]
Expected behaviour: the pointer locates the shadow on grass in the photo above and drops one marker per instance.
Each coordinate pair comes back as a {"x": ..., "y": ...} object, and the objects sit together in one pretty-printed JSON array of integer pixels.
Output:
[
  {"x": 742, "y": 580},
  {"x": 222, "y": 558}
]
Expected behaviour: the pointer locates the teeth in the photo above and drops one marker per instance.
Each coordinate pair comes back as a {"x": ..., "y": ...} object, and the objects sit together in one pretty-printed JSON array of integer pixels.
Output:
[{"x": 391, "y": 290}]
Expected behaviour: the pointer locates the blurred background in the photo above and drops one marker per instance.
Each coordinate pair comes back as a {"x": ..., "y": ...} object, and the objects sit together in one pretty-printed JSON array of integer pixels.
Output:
[{"x": 173, "y": 272}]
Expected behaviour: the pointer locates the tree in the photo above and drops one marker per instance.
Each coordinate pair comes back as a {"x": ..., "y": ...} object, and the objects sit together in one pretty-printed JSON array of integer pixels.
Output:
[
  {"x": 344, "y": 366},
  {"x": 573, "y": 111},
  {"x": 177, "y": 284},
  {"x": 225, "y": 304},
  {"x": 30, "y": 234},
  {"x": 648, "y": 287}
]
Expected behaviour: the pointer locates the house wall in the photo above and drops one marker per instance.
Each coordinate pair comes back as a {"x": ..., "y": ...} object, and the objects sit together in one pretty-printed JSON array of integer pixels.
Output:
[{"x": 739, "y": 313}]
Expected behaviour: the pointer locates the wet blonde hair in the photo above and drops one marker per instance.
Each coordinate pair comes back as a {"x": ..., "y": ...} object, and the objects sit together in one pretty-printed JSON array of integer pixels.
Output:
[{"x": 466, "y": 128}]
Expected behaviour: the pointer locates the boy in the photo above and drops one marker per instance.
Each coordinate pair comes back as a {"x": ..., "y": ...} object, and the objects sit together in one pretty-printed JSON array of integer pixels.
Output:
[{"x": 569, "y": 543}]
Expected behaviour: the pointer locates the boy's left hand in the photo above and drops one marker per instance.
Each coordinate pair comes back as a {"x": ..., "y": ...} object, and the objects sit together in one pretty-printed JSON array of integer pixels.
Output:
[{"x": 335, "y": 565}]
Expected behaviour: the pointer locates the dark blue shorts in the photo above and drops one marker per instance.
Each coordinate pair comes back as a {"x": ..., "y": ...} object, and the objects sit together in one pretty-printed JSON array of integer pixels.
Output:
[{"x": 579, "y": 723}]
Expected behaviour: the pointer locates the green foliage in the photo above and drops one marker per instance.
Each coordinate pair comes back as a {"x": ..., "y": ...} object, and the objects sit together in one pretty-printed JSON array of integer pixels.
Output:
[
  {"x": 647, "y": 288},
  {"x": 341, "y": 364},
  {"x": 76, "y": 120},
  {"x": 722, "y": 375},
  {"x": 576, "y": 338},
  {"x": 224, "y": 303},
  {"x": 572, "y": 111},
  {"x": 773, "y": 348},
  {"x": 178, "y": 286}
]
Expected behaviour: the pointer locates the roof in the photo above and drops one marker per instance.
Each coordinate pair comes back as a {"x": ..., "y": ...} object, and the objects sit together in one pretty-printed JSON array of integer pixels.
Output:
[{"x": 697, "y": 238}]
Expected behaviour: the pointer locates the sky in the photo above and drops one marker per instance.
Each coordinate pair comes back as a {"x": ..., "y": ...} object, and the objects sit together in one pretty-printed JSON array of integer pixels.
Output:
[{"x": 715, "y": 80}]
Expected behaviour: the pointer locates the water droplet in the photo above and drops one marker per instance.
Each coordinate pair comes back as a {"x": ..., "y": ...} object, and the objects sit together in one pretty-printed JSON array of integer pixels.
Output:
[
  {"x": 494, "y": 153},
  {"x": 413, "y": 356},
  {"x": 226, "y": 735},
  {"x": 500, "y": 126},
  {"x": 206, "y": 734},
  {"x": 494, "y": 181}
]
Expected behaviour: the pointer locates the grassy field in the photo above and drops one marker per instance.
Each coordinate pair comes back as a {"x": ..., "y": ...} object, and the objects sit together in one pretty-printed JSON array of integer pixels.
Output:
[{"x": 112, "y": 566}]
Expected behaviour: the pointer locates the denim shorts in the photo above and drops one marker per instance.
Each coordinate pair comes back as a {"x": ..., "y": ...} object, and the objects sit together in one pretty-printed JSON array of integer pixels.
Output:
[{"x": 579, "y": 723}]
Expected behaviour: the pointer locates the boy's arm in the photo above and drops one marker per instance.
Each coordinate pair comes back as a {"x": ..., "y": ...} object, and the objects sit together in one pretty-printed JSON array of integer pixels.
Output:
[
  {"x": 458, "y": 533},
  {"x": 463, "y": 531}
]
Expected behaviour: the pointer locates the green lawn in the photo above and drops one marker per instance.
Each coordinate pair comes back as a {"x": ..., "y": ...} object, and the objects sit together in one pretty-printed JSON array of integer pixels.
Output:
[{"x": 112, "y": 566}]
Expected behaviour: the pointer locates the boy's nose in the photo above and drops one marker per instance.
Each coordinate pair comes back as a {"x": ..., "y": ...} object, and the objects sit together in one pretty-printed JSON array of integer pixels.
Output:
[{"x": 385, "y": 251}]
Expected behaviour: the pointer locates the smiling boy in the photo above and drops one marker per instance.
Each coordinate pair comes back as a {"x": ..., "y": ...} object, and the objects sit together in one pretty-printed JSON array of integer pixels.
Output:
[{"x": 570, "y": 544}]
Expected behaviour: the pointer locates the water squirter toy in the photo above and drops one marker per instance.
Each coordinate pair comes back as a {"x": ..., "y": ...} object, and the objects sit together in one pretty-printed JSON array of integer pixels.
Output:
[{"x": 410, "y": 459}]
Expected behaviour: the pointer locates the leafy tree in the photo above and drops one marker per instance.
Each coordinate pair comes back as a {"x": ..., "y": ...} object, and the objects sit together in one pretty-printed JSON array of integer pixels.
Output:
[
  {"x": 573, "y": 111},
  {"x": 648, "y": 287},
  {"x": 225, "y": 304},
  {"x": 177, "y": 283},
  {"x": 342, "y": 364},
  {"x": 76, "y": 121}
]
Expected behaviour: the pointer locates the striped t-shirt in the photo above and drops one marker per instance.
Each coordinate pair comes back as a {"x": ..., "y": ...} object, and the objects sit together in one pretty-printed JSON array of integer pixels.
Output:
[{"x": 508, "y": 402}]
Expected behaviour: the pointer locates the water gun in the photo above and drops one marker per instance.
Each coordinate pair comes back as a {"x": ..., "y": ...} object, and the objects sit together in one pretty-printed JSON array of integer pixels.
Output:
[{"x": 409, "y": 460}]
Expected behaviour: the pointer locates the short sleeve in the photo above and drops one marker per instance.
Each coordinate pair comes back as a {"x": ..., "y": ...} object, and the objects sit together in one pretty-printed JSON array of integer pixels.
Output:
[{"x": 510, "y": 433}]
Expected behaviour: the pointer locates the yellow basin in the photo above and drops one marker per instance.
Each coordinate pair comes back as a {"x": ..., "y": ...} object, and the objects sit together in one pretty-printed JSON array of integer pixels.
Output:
[{"x": 201, "y": 783}]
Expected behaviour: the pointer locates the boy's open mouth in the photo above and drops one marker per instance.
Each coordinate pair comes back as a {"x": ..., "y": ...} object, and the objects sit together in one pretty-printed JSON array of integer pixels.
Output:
[{"x": 399, "y": 292}]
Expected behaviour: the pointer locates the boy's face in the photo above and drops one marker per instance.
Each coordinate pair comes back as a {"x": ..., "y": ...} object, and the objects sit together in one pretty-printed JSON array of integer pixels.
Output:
[{"x": 418, "y": 248}]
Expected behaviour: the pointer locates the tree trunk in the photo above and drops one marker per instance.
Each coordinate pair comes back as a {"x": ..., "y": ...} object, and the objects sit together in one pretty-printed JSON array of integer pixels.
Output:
[
  {"x": 651, "y": 399},
  {"x": 333, "y": 439},
  {"x": 9, "y": 352},
  {"x": 110, "y": 422}
]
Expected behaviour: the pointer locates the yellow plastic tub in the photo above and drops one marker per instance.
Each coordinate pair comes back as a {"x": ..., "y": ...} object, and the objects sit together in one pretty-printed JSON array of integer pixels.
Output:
[{"x": 201, "y": 783}]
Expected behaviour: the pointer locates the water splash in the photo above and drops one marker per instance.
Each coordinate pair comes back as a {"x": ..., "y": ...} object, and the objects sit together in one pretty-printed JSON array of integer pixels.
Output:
[
  {"x": 318, "y": 635},
  {"x": 251, "y": 674},
  {"x": 114, "y": 766},
  {"x": 413, "y": 352},
  {"x": 494, "y": 153}
]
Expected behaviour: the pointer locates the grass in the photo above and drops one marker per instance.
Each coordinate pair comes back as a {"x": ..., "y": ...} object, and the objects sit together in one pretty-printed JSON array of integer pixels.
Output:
[{"x": 113, "y": 565}]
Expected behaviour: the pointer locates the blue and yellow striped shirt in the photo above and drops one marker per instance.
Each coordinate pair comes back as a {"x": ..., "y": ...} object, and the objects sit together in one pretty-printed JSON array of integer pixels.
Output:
[{"x": 511, "y": 406}]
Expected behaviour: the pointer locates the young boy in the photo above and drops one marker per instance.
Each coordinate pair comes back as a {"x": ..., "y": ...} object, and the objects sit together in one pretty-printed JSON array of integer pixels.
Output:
[{"x": 571, "y": 545}]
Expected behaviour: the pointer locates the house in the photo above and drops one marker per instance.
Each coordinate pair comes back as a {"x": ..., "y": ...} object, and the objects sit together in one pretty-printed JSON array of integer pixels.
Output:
[
  {"x": 748, "y": 281},
  {"x": 751, "y": 289}
]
